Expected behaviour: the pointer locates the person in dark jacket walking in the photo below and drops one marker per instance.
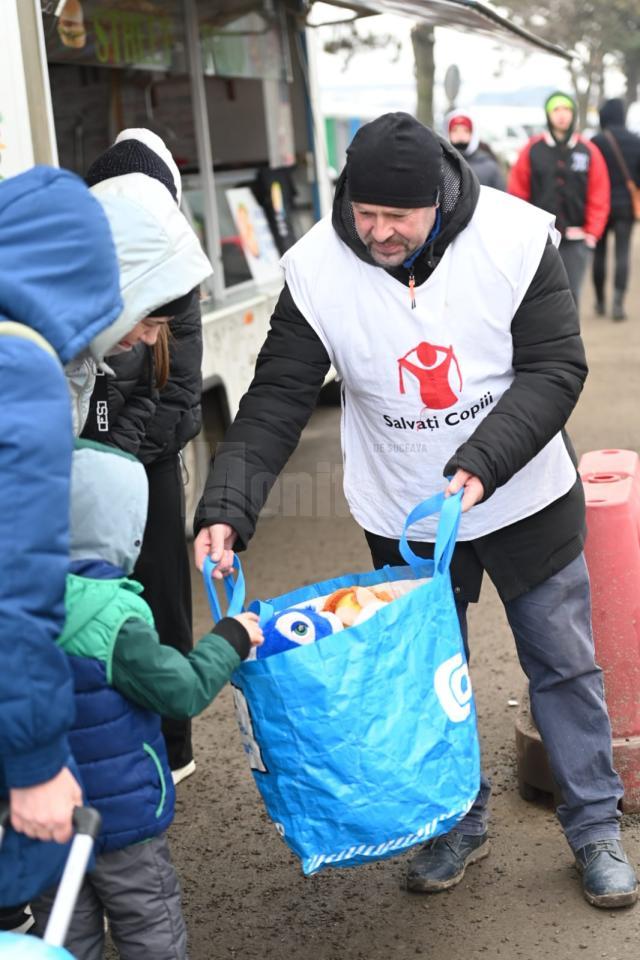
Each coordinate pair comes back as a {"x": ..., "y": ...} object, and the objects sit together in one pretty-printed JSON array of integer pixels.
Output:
[
  {"x": 614, "y": 140},
  {"x": 461, "y": 288},
  {"x": 128, "y": 411},
  {"x": 463, "y": 135},
  {"x": 123, "y": 678},
  {"x": 565, "y": 174}
]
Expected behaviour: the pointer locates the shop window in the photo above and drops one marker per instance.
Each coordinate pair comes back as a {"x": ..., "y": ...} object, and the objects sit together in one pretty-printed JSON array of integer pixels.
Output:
[{"x": 115, "y": 64}]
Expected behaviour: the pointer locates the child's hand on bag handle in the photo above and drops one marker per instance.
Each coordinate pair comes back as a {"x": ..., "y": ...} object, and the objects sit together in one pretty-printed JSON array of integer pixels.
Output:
[
  {"x": 473, "y": 488},
  {"x": 251, "y": 623}
]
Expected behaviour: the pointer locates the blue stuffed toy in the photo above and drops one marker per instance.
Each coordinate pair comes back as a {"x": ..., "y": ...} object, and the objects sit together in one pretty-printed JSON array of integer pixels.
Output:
[{"x": 295, "y": 627}]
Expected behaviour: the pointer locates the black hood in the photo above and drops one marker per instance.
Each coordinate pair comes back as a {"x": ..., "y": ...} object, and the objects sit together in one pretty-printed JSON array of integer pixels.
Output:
[
  {"x": 612, "y": 114},
  {"x": 459, "y": 191}
]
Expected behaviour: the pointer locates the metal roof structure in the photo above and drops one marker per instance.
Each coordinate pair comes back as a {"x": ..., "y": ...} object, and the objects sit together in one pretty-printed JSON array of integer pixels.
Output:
[{"x": 469, "y": 15}]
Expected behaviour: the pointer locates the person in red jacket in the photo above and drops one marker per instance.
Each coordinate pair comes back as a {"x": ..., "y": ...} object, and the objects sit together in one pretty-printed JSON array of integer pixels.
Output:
[{"x": 564, "y": 173}]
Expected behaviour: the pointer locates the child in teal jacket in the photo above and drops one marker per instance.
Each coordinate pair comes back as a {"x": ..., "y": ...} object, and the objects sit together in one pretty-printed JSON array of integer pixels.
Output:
[{"x": 124, "y": 680}]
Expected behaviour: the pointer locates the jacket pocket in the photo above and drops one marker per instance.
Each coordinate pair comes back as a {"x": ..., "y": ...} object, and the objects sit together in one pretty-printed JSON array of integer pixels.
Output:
[{"x": 163, "y": 785}]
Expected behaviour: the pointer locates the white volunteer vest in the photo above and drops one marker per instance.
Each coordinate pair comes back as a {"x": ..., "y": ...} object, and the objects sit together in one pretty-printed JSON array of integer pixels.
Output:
[{"x": 418, "y": 382}]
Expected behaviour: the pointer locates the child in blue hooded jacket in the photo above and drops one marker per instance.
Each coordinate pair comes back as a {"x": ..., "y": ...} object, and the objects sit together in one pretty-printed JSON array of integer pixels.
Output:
[
  {"x": 124, "y": 680},
  {"x": 81, "y": 276},
  {"x": 59, "y": 290}
]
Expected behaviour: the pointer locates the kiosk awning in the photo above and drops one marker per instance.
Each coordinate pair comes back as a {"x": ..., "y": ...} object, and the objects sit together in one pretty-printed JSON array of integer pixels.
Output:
[{"x": 466, "y": 14}]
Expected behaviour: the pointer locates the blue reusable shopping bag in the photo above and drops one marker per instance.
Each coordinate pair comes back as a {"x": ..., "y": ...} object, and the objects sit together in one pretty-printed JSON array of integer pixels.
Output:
[
  {"x": 15, "y": 946},
  {"x": 365, "y": 742}
]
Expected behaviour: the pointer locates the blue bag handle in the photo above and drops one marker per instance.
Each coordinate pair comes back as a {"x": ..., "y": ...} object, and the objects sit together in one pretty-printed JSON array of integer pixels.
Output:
[
  {"x": 264, "y": 610},
  {"x": 235, "y": 589},
  {"x": 450, "y": 512}
]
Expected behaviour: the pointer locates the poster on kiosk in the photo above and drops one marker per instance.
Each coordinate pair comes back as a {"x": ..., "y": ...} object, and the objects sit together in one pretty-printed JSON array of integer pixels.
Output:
[{"x": 254, "y": 234}]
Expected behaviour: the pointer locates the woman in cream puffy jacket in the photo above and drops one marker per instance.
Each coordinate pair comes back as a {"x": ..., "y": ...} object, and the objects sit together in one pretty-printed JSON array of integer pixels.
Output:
[{"x": 160, "y": 260}]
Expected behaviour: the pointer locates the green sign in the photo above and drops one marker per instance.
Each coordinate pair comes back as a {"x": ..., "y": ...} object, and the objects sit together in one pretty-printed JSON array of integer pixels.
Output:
[
  {"x": 114, "y": 33},
  {"x": 132, "y": 38},
  {"x": 150, "y": 35}
]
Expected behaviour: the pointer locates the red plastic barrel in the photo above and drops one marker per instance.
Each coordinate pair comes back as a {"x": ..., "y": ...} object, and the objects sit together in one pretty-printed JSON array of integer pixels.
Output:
[{"x": 611, "y": 480}]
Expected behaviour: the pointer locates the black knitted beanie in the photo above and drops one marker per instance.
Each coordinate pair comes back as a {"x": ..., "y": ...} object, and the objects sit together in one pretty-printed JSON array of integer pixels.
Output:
[
  {"x": 130, "y": 156},
  {"x": 394, "y": 161},
  {"x": 133, "y": 156}
]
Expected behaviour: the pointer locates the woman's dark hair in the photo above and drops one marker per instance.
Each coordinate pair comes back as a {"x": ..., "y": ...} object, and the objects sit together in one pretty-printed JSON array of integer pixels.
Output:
[{"x": 161, "y": 356}]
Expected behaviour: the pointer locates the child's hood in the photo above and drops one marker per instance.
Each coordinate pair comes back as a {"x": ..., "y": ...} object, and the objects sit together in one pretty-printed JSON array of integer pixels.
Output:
[
  {"x": 109, "y": 496},
  {"x": 159, "y": 254},
  {"x": 89, "y": 606},
  {"x": 58, "y": 267}
]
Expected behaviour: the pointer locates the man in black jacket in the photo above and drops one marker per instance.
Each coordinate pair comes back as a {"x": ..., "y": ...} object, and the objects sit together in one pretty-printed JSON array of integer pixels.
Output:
[
  {"x": 446, "y": 311},
  {"x": 614, "y": 141}
]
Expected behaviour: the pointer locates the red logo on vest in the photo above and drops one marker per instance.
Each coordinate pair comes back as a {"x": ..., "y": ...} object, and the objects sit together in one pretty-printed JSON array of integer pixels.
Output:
[{"x": 431, "y": 366}]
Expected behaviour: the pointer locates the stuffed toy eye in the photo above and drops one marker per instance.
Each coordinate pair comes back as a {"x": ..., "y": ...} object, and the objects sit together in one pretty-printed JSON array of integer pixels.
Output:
[{"x": 296, "y": 627}]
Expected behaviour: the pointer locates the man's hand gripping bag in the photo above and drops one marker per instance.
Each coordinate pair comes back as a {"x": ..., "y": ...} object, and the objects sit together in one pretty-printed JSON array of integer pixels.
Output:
[{"x": 365, "y": 742}]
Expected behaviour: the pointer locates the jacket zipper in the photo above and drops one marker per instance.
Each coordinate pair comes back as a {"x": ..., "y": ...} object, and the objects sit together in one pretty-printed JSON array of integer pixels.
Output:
[{"x": 412, "y": 288}]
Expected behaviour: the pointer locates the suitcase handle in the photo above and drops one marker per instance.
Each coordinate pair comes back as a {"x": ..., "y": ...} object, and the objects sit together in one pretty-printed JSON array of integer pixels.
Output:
[
  {"x": 86, "y": 820},
  {"x": 86, "y": 824}
]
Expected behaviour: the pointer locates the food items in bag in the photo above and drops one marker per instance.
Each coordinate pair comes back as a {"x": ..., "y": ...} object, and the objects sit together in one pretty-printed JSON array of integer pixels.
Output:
[{"x": 352, "y": 605}]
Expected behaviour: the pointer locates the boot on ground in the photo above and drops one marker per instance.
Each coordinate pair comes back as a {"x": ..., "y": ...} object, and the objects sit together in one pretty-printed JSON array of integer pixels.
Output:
[
  {"x": 608, "y": 879},
  {"x": 618, "y": 306},
  {"x": 441, "y": 863}
]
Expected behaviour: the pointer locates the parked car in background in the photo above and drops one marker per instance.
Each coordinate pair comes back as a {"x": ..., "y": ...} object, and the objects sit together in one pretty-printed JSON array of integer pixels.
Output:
[{"x": 508, "y": 142}]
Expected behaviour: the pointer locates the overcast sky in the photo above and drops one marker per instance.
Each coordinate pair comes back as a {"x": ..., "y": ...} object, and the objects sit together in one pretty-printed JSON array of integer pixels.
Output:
[{"x": 373, "y": 83}]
